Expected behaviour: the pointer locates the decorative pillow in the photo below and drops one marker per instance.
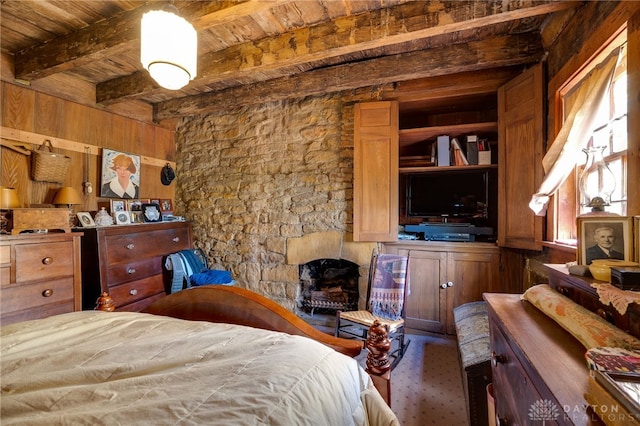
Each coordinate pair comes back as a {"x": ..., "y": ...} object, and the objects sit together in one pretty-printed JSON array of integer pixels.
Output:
[{"x": 591, "y": 330}]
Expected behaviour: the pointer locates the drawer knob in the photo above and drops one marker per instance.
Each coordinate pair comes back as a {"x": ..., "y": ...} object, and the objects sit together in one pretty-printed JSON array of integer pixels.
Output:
[
  {"x": 130, "y": 246},
  {"x": 48, "y": 292},
  {"x": 47, "y": 260},
  {"x": 497, "y": 359},
  {"x": 176, "y": 239},
  {"x": 450, "y": 284},
  {"x": 443, "y": 285},
  {"x": 131, "y": 270},
  {"x": 133, "y": 292}
]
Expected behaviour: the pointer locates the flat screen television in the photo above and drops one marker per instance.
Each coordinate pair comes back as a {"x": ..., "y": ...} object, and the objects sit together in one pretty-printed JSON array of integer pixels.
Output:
[{"x": 468, "y": 195}]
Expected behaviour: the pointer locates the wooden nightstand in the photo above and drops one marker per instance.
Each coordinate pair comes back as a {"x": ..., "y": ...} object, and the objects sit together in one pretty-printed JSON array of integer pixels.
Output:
[{"x": 39, "y": 276}]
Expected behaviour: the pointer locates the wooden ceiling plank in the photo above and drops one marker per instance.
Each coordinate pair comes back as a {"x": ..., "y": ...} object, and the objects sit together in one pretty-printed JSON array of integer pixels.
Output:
[
  {"x": 358, "y": 34},
  {"x": 486, "y": 54},
  {"x": 108, "y": 37}
]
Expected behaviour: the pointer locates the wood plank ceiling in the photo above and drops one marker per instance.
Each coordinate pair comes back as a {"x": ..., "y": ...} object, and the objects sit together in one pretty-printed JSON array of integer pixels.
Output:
[{"x": 261, "y": 50}]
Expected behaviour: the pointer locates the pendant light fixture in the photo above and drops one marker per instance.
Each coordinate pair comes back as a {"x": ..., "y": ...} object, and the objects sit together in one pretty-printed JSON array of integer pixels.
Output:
[{"x": 169, "y": 47}]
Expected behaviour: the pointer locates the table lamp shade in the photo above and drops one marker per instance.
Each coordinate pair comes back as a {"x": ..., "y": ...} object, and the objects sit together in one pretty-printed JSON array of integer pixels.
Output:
[
  {"x": 67, "y": 195},
  {"x": 9, "y": 198}
]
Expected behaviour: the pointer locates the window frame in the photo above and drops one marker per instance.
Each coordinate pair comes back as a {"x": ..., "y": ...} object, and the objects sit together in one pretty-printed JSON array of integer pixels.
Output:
[{"x": 561, "y": 223}]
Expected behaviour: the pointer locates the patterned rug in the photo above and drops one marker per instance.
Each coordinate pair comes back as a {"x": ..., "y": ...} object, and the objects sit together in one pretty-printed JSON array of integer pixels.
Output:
[{"x": 426, "y": 386}]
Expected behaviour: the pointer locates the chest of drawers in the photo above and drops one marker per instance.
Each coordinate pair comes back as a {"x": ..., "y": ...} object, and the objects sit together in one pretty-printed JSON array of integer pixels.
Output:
[
  {"x": 39, "y": 276},
  {"x": 126, "y": 261},
  {"x": 539, "y": 371}
]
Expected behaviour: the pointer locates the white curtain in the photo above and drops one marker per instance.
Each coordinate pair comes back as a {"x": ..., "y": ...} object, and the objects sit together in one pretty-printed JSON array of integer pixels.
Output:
[{"x": 562, "y": 156}]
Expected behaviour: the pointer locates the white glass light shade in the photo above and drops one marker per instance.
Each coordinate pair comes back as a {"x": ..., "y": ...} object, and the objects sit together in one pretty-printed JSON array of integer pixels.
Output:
[{"x": 168, "y": 49}]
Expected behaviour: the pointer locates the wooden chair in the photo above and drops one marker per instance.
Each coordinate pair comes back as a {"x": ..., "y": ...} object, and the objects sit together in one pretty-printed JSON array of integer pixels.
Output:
[{"x": 388, "y": 287}]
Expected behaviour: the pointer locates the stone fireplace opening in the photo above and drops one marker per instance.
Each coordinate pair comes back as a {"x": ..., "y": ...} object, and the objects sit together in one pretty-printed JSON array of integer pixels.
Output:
[{"x": 328, "y": 285}]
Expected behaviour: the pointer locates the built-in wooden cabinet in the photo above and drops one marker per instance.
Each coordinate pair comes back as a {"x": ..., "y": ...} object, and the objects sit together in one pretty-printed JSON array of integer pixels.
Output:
[
  {"x": 391, "y": 141},
  {"x": 39, "y": 276},
  {"x": 444, "y": 275}
]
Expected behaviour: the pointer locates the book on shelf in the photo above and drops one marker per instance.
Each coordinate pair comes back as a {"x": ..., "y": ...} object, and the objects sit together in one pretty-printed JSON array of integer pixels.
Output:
[
  {"x": 472, "y": 149},
  {"x": 458, "y": 158},
  {"x": 443, "y": 150}
]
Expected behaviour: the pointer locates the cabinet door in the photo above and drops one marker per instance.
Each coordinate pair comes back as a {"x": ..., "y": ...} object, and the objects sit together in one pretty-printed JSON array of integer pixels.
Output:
[
  {"x": 471, "y": 273},
  {"x": 520, "y": 139},
  {"x": 375, "y": 172},
  {"x": 426, "y": 305}
]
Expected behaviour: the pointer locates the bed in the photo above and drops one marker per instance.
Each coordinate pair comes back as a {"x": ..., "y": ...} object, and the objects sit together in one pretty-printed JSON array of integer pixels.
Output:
[{"x": 208, "y": 355}]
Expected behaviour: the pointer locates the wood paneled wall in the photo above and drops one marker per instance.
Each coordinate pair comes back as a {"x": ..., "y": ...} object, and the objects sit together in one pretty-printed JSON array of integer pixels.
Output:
[{"x": 46, "y": 117}]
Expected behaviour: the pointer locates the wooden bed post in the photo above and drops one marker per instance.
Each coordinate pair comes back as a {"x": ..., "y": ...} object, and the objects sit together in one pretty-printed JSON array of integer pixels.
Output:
[
  {"x": 378, "y": 364},
  {"x": 105, "y": 303}
]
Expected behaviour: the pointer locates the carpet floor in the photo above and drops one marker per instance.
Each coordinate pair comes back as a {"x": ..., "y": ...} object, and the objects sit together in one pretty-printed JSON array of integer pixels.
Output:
[{"x": 426, "y": 385}]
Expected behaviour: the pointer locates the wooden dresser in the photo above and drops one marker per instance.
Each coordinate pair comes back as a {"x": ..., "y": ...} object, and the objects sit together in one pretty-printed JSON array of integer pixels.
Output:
[
  {"x": 126, "y": 261},
  {"x": 39, "y": 276},
  {"x": 537, "y": 365}
]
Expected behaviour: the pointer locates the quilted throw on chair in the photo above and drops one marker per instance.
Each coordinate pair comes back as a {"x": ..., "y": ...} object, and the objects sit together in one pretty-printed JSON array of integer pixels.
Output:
[{"x": 388, "y": 286}]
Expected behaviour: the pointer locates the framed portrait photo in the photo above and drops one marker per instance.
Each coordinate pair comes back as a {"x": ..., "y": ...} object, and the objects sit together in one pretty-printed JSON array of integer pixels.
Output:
[
  {"x": 151, "y": 212},
  {"x": 120, "y": 175},
  {"x": 117, "y": 206},
  {"x": 122, "y": 217},
  {"x": 85, "y": 219},
  {"x": 134, "y": 205},
  {"x": 604, "y": 237},
  {"x": 166, "y": 206}
]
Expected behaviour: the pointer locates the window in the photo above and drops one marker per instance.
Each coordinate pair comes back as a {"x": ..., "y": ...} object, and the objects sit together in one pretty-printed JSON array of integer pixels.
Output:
[{"x": 610, "y": 131}]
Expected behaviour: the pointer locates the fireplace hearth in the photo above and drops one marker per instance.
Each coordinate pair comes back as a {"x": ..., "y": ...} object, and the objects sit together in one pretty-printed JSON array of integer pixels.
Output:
[{"x": 328, "y": 285}]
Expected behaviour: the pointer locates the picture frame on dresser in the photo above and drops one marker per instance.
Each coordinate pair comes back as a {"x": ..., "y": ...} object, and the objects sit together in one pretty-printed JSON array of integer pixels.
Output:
[
  {"x": 117, "y": 206},
  {"x": 151, "y": 212},
  {"x": 85, "y": 220},
  {"x": 600, "y": 234},
  {"x": 122, "y": 217}
]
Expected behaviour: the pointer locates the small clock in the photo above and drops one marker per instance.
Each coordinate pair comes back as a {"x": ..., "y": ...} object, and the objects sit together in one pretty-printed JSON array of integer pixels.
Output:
[{"x": 122, "y": 218}]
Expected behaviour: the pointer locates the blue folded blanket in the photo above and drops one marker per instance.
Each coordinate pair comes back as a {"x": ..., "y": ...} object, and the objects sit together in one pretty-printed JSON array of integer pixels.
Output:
[{"x": 211, "y": 276}]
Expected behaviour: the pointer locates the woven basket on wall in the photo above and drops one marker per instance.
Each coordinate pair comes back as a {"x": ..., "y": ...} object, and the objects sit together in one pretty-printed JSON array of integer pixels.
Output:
[{"x": 47, "y": 166}]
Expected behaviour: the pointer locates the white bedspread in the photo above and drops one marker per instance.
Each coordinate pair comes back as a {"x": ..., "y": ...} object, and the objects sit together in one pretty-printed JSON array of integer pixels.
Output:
[{"x": 123, "y": 368}]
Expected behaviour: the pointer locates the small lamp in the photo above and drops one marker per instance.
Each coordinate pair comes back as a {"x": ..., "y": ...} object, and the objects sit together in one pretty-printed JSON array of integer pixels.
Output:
[
  {"x": 68, "y": 196},
  {"x": 168, "y": 47},
  {"x": 8, "y": 200}
]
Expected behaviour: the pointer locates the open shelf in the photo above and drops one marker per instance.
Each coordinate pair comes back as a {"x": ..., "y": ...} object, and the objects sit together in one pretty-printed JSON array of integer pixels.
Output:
[{"x": 411, "y": 136}]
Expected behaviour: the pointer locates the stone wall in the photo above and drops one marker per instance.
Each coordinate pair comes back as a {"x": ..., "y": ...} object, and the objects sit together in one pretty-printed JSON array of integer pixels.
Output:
[{"x": 253, "y": 179}]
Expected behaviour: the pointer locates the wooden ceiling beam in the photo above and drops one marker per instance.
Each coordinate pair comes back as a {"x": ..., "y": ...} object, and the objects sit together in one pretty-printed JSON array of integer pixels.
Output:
[
  {"x": 451, "y": 59},
  {"x": 120, "y": 33},
  {"x": 402, "y": 27}
]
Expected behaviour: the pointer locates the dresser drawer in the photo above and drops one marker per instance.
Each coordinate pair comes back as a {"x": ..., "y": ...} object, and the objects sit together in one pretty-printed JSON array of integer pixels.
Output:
[
  {"x": 38, "y": 261},
  {"x": 510, "y": 381},
  {"x": 131, "y": 292},
  {"x": 133, "y": 271},
  {"x": 135, "y": 246},
  {"x": 26, "y": 296}
]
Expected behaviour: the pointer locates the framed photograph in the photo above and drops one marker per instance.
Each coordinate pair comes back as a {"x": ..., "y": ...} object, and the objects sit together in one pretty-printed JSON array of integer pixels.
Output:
[
  {"x": 85, "y": 219},
  {"x": 122, "y": 217},
  {"x": 134, "y": 205},
  {"x": 154, "y": 202},
  {"x": 120, "y": 175},
  {"x": 166, "y": 206},
  {"x": 151, "y": 212},
  {"x": 136, "y": 216},
  {"x": 604, "y": 237},
  {"x": 118, "y": 206}
]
